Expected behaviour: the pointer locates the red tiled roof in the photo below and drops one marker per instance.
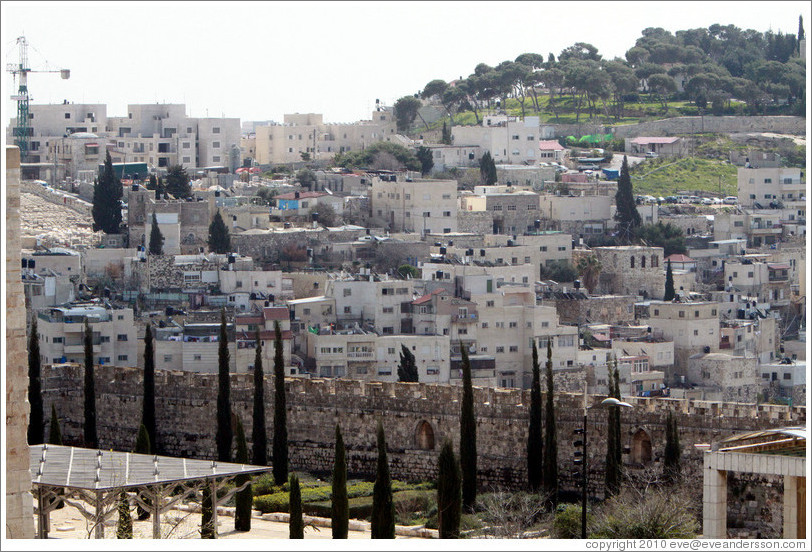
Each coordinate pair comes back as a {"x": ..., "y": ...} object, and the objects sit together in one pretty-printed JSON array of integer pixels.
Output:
[
  {"x": 655, "y": 139},
  {"x": 427, "y": 298},
  {"x": 249, "y": 319},
  {"x": 678, "y": 258},
  {"x": 276, "y": 313},
  {"x": 778, "y": 266},
  {"x": 550, "y": 145},
  {"x": 302, "y": 195}
]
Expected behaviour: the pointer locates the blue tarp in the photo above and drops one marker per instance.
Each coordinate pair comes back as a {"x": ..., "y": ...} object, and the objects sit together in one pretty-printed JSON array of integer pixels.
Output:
[{"x": 611, "y": 174}]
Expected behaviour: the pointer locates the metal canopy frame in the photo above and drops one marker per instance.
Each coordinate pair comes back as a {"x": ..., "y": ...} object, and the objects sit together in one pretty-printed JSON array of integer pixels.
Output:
[{"x": 79, "y": 476}]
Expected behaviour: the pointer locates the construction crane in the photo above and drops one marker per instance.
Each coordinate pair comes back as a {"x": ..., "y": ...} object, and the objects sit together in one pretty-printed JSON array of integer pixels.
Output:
[{"x": 22, "y": 130}]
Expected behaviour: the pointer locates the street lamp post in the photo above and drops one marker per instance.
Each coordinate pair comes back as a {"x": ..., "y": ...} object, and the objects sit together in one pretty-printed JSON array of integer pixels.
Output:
[{"x": 610, "y": 402}]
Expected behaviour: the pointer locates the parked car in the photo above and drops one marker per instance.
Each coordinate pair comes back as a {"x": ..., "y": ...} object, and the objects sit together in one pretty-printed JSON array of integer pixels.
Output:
[
  {"x": 730, "y": 200},
  {"x": 707, "y": 201},
  {"x": 651, "y": 154}
]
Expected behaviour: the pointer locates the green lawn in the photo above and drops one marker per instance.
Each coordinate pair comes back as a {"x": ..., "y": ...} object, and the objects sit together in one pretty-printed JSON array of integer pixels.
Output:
[{"x": 664, "y": 176}]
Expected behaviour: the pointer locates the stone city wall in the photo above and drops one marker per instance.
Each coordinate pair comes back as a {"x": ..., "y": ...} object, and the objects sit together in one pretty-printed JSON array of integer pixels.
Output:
[{"x": 186, "y": 414}]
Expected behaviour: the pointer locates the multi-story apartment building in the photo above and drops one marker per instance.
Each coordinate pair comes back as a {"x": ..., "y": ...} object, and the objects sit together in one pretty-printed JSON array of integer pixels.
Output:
[
  {"x": 415, "y": 205},
  {"x": 765, "y": 281},
  {"x": 508, "y": 139},
  {"x": 781, "y": 186},
  {"x": 61, "y": 333},
  {"x": 75, "y": 137},
  {"x": 759, "y": 227},
  {"x": 358, "y": 354},
  {"x": 184, "y": 224},
  {"x": 308, "y": 135},
  {"x": 577, "y": 215},
  {"x": 513, "y": 213},
  {"x": 692, "y": 326},
  {"x": 369, "y": 301}
]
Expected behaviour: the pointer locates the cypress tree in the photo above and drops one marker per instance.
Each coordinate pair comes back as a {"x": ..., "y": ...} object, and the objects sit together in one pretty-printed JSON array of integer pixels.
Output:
[
  {"x": 446, "y": 136},
  {"x": 54, "y": 434},
  {"x": 55, "y": 438},
  {"x": 550, "y": 440},
  {"x": 613, "y": 450},
  {"x": 449, "y": 498},
  {"x": 91, "y": 440},
  {"x": 148, "y": 412},
  {"x": 143, "y": 445},
  {"x": 224, "y": 435},
  {"x": 259, "y": 437},
  {"x": 156, "y": 238},
  {"x": 383, "y": 508},
  {"x": 124, "y": 530},
  {"x": 107, "y": 194},
  {"x": 467, "y": 436},
  {"x": 207, "y": 528},
  {"x": 487, "y": 173},
  {"x": 36, "y": 423},
  {"x": 535, "y": 445},
  {"x": 280, "y": 414},
  {"x": 340, "y": 502},
  {"x": 244, "y": 499},
  {"x": 671, "y": 461},
  {"x": 626, "y": 215},
  {"x": 670, "y": 293},
  {"x": 296, "y": 523},
  {"x": 219, "y": 237},
  {"x": 407, "y": 367}
]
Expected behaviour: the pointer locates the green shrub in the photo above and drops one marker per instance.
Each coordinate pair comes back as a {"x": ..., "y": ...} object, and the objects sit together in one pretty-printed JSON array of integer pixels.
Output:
[
  {"x": 567, "y": 522},
  {"x": 655, "y": 515}
]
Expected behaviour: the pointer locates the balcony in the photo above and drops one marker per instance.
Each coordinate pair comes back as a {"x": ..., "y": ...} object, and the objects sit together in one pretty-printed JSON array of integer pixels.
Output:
[
  {"x": 361, "y": 355},
  {"x": 465, "y": 317},
  {"x": 80, "y": 349}
]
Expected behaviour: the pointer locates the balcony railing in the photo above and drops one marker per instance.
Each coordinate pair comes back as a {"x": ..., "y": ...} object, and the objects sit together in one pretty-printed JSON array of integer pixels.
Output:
[
  {"x": 466, "y": 317},
  {"x": 366, "y": 355}
]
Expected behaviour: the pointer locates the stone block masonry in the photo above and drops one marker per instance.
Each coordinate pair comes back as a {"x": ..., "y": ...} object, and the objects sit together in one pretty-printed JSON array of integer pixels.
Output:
[
  {"x": 19, "y": 507},
  {"x": 417, "y": 419}
]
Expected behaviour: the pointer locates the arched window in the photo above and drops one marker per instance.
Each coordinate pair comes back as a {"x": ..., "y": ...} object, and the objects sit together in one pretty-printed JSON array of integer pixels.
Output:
[
  {"x": 424, "y": 436},
  {"x": 641, "y": 448},
  {"x": 655, "y": 262},
  {"x": 631, "y": 260},
  {"x": 642, "y": 261}
]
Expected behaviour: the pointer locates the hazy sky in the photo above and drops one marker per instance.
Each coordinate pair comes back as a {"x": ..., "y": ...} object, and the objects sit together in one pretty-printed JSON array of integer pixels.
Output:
[{"x": 257, "y": 61}]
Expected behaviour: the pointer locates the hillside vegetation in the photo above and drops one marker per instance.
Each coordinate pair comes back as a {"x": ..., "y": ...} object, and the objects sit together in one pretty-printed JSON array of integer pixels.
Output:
[{"x": 664, "y": 176}]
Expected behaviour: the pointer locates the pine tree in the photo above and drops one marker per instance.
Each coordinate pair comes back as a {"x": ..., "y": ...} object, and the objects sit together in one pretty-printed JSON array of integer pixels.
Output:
[
  {"x": 124, "y": 530},
  {"x": 670, "y": 293},
  {"x": 207, "y": 528},
  {"x": 296, "y": 523},
  {"x": 177, "y": 182},
  {"x": 467, "y": 436},
  {"x": 550, "y": 440},
  {"x": 340, "y": 502},
  {"x": 156, "y": 238},
  {"x": 801, "y": 35},
  {"x": 160, "y": 189},
  {"x": 280, "y": 414},
  {"x": 383, "y": 508},
  {"x": 407, "y": 367},
  {"x": 627, "y": 217},
  {"x": 535, "y": 444},
  {"x": 449, "y": 498},
  {"x": 54, "y": 433},
  {"x": 244, "y": 499},
  {"x": 148, "y": 412},
  {"x": 259, "y": 436},
  {"x": 91, "y": 440},
  {"x": 107, "y": 194},
  {"x": 143, "y": 445},
  {"x": 224, "y": 435},
  {"x": 671, "y": 461},
  {"x": 36, "y": 423},
  {"x": 219, "y": 237}
]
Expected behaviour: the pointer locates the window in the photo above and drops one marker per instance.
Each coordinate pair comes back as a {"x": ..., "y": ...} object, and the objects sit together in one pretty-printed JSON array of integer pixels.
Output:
[
  {"x": 67, "y": 115},
  {"x": 500, "y": 349},
  {"x": 656, "y": 312},
  {"x": 512, "y": 325},
  {"x": 347, "y": 292},
  {"x": 682, "y": 314},
  {"x": 484, "y": 325},
  {"x": 426, "y": 214},
  {"x": 121, "y": 337},
  {"x": 104, "y": 339},
  {"x": 511, "y": 207},
  {"x": 197, "y": 357},
  {"x": 122, "y": 357},
  {"x": 347, "y": 310},
  {"x": 215, "y": 144},
  {"x": 696, "y": 314},
  {"x": 696, "y": 332},
  {"x": 631, "y": 260},
  {"x": 514, "y": 348},
  {"x": 566, "y": 341},
  {"x": 215, "y": 130},
  {"x": 167, "y": 358},
  {"x": 446, "y": 213},
  {"x": 215, "y": 158}
]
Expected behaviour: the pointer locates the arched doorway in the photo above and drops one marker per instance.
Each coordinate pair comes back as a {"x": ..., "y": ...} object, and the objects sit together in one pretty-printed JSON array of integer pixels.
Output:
[
  {"x": 424, "y": 436},
  {"x": 641, "y": 448}
]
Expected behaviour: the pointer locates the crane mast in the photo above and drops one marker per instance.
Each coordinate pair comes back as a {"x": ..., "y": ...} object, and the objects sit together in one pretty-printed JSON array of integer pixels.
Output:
[{"x": 22, "y": 128}]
